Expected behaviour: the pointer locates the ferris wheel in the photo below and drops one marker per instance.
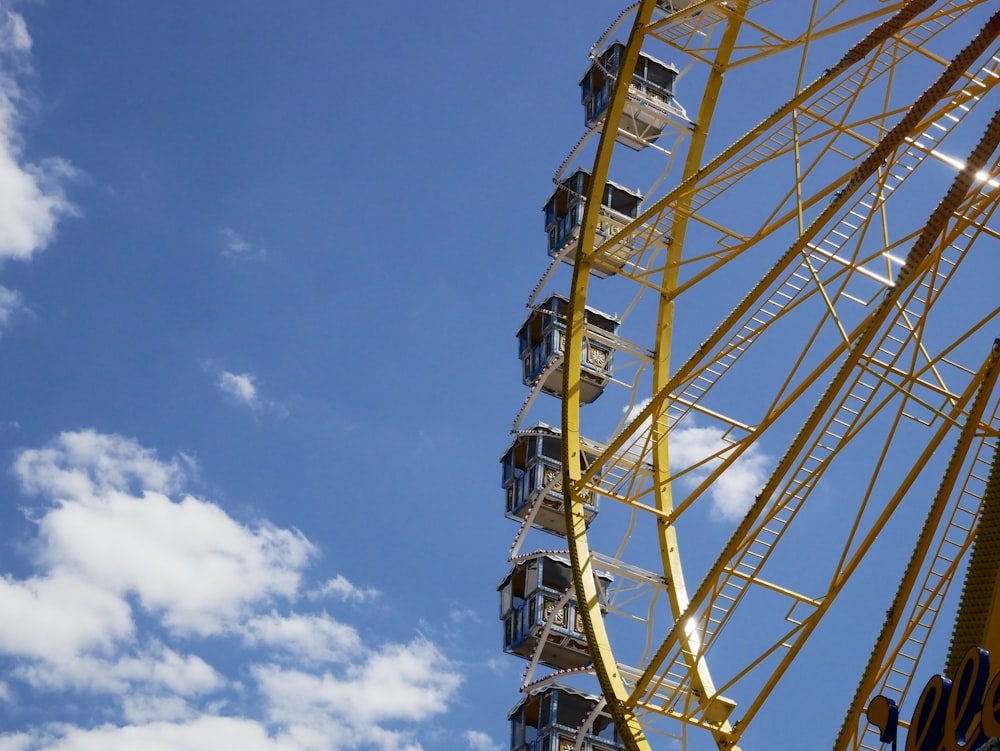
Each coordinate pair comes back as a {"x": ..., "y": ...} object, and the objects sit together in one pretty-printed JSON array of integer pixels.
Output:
[{"x": 774, "y": 472}]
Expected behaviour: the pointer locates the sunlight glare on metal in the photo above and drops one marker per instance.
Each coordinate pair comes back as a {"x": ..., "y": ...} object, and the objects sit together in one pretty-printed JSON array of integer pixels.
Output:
[
  {"x": 693, "y": 634},
  {"x": 981, "y": 176}
]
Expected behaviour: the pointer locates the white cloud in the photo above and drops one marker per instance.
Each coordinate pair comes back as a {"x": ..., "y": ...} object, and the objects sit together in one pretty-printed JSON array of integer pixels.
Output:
[
  {"x": 479, "y": 741},
  {"x": 134, "y": 594},
  {"x": 57, "y": 617},
  {"x": 199, "y": 734},
  {"x": 14, "y": 34},
  {"x": 340, "y": 588},
  {"x": 143, "y": 709},
  {"x": 733, "y": 491},
  {"x": 240, "y": 387},
  {"x": 156, "y": 668},
  {"x": 238, "y": 249},
  {"x": 317, "y": 638},
  {"x": 188, "y": 560},
  {"x": 32, "y": 196},
  {"x": 399, "y": 682},
  {"x": 463, "y": 615},
  {"x": 113, "y": 525},
  {"x": 85, "y": 463},
  {"x": 11, "y": 303},
  {"x": 17, "y": 742}
]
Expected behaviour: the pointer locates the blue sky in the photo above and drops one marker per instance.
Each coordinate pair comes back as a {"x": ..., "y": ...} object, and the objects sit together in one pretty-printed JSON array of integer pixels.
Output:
[
  {"x": 261, "y": 273},
  {"x": 261, "y": 270}
]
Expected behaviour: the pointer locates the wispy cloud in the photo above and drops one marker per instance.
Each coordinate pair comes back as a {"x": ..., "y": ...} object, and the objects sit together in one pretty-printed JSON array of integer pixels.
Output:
[
  {"x": 161, "y": 606},
  {"x": 237, "y": 248},
  {"x": 33, "y": 195},
  {"x": 14, "y": 35},
  {"x": 459, "y": 615},
  {"x": 341, "y": 589},
  {"x": 242, "y": 389},
  {"x": 479, "y": 741},
  {"x": 11, "y": 303}
]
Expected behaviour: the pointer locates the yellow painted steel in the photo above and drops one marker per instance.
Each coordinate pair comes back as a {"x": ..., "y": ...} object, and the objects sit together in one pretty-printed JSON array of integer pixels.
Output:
[
  {"x": 907, "y": 379},
  {"x": 670, "y": 558},
  {"x": 985, "y": 382},
  {"x": 860, "y": 344},
  {"x": 978, "y": 621},
  {"x": 588, "y": 602}
]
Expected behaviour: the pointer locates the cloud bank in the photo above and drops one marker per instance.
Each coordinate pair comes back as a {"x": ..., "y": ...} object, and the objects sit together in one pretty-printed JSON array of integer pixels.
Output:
[{"x": 173, "y": 625}]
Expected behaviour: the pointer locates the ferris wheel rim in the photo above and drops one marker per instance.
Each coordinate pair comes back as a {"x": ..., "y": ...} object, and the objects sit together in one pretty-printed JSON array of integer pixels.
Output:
[{"x": 605, "y": 666}]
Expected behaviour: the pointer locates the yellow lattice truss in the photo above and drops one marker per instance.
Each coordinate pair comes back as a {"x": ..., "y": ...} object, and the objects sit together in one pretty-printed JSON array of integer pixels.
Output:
[{"x": 832, "y": 263}]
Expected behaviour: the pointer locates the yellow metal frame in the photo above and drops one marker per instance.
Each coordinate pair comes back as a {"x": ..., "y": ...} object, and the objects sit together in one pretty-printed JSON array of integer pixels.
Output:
[
  {"x": 865, "y": 351},
  {"x": 588, "y": 602}
]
